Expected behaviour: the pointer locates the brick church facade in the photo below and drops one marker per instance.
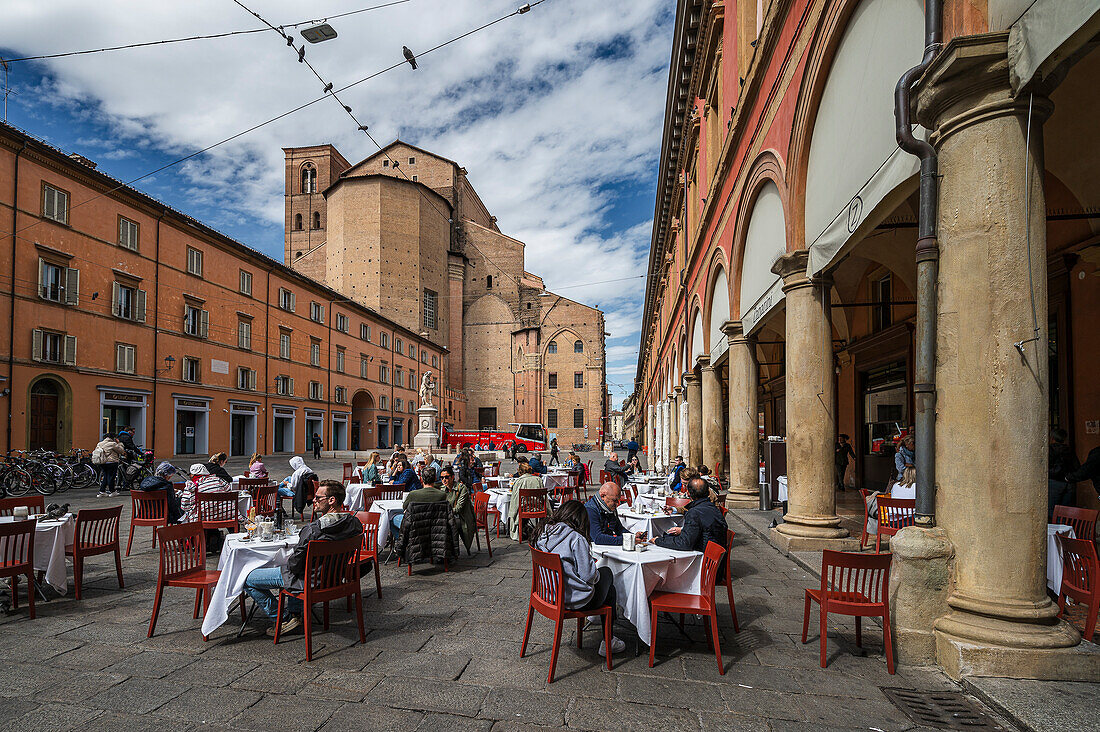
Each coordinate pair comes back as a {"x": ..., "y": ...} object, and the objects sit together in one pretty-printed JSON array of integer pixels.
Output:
[{"x": 404, "y": 233}]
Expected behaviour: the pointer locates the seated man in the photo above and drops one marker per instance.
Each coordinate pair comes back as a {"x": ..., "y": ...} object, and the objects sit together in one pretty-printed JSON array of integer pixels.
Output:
[
  {"x": 674, "y": 478},
  {"x": 703, "y": 522},
  {"x": 160, "y": 480},
  {"x": 427, "y": 493},
  {"x": 604, "y": 526},
  {"x": 330, "y": 525},
  {"x": 536, "y": 464},
  {"x": 618, "y": 472}
]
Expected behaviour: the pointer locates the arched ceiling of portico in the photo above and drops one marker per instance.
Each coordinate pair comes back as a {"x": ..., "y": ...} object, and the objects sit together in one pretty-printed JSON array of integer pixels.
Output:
[{"x": 1070, "y": 135}]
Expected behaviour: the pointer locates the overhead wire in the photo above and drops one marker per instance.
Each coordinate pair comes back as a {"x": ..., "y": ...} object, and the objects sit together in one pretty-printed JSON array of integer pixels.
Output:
[{"x": 209, "y": 36}]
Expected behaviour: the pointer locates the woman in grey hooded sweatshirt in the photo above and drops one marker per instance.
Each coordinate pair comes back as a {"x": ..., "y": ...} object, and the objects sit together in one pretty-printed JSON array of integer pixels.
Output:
[{"x": 586, "y": 587}]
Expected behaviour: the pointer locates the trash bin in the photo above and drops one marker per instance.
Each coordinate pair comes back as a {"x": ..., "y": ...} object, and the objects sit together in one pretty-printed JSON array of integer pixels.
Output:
[{"x": 765, "y": 497}]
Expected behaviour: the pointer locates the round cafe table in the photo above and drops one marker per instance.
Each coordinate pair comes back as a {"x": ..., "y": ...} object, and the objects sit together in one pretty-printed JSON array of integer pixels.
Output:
[
  {"x": 639, "y": 573},
  {"x": 388, "y": 509},
  {"x": 654, "y": 524},
  {"x": 237, "y": 560},
  {"x": 51, "y": 536},
  {"x": 501, "y": 500}
]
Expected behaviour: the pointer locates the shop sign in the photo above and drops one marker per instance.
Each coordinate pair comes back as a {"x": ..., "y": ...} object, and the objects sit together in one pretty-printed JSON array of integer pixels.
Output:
[
  {"x": 284, "y": 412},
  {"x": 243, "y": 408},
  {"x": 191, "y": 403},
  {"x": 115, "y": 397}
]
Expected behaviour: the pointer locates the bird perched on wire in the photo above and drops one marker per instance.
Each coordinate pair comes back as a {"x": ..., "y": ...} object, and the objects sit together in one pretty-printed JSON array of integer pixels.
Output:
[{"x": 409, "y": 56}]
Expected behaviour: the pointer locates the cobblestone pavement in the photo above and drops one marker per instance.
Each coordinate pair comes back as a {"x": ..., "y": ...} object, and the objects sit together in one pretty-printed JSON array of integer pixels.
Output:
[{"x": 442, "y": 653}]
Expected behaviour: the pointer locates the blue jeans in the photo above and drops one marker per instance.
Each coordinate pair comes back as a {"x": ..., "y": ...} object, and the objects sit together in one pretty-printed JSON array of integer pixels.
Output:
[
  {"x": 395, "y": 522},
  {"x": 108, "y": 473},
  {"x": 259, "y": 585},
  {"x": 286, "y": 492}
]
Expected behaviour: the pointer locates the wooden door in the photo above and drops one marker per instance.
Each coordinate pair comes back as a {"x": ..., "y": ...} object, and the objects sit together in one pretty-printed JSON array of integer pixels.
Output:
[{"x": 43, "y": 420}]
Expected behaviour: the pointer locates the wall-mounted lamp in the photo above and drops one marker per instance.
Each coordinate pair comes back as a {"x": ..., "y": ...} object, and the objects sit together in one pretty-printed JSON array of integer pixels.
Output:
[{"x": 168, "y": 363}]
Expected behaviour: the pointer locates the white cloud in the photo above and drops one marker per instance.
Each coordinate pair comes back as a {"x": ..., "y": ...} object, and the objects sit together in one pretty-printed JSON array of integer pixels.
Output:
[{"x": 554, "y": 113}]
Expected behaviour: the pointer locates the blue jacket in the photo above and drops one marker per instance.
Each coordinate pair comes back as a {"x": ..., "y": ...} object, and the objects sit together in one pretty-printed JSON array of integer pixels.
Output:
[
  {"x": 537, "y": 466},
  {"x": 603, "y": 527},
  {"x": 674, "y": 481},
  {"x": 904, "y": 456},
  {"x": 408, "y": 479}
]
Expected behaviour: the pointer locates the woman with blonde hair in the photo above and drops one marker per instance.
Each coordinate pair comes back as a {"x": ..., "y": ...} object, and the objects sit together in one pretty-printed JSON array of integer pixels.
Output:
[
  {"x": 907, "y": 486},
  {"x": 370, "y": 472},
  {"x": 256, "y": 467}
]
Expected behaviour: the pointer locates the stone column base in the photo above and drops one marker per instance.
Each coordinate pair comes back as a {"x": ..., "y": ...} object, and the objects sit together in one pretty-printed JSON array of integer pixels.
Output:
[
  {"x": 742, "y": 500},
  {"x": 787, "y": 543},
  {"x": 960, "y": 658},
  {"x": 920, "y": 581}
]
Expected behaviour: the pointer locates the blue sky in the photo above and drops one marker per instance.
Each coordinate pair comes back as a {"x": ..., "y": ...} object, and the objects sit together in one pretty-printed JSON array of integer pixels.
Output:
[{"x": 556, "y": 114}]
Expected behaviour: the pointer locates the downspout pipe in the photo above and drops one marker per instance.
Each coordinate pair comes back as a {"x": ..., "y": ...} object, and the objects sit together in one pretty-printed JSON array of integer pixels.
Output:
[
  {"x": 11, "y": 313},
  {"x": 927, "y": 255}
]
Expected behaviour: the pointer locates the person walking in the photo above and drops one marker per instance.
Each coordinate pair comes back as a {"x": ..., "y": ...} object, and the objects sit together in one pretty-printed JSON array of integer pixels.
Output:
[
  {"x": 554, "y": 452},
  {"x": 107, "y": 455},
  {"x": 316, "y": 446},
  {"x": 843, "y": 452},
  {"x": 632, "y": 448}
]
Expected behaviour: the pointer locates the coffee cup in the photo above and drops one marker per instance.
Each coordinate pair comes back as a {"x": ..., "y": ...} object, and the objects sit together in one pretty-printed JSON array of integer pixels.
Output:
[
  {"x": 628, "y": 542},
  {"x": 20, "y": 513}
]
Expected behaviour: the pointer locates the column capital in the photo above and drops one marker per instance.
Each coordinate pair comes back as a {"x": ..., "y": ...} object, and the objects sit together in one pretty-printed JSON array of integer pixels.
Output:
[
  {"x": 690, "y": 379},
  {"x": 703, "y": 362},
  {"x": 969, "y": 82},
  {"x": 792, "y": 268},
  {"x": 732, "y": 328},
  {"x": 677, "y": 391}
]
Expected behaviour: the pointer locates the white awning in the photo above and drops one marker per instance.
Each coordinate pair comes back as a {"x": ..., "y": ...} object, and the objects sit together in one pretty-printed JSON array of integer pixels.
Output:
[
  {"x": 894, "y": 171},
  {"x": 771, "y": 298},
  {"x": 1046, "y": 34}
]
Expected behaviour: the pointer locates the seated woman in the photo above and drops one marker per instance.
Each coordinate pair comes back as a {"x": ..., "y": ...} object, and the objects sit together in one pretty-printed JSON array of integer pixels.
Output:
[
  {"x": 458, "y": 495},
  {"x": 370, "y": 473},
  {"x": 586, "y": 587},
  {"x": 573, "y": 462},
  {"x": 161, "y": 480},
  {"x": 406, "y": 477},
  {"x": 634, "y": 467},
  {"x": 302, "y": 472},
  {"x": 256, "y": 467}
]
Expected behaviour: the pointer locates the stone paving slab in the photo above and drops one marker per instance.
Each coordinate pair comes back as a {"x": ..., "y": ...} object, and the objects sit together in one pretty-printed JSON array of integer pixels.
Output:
[{"x": 442, "y": 653}]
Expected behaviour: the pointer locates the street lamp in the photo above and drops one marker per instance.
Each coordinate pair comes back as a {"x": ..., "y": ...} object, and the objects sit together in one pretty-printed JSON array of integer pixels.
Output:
[
  {"x": 319, "y": 33},
  {"x": 168, "y": 362}
]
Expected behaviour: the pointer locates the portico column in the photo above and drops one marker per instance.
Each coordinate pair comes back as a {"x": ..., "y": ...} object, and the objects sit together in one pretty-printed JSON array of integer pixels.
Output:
[
  {"x": 714, "y": 414},
  {"x": 693, "y": 387},
  {"x": 677, "y": 399},
  {"x": 651, "y": 436},
  {"x": 744, "y": 437},
  {"x": 991, "y": 365},
  {"x": 661, "y": 435},
  {"x": 668, "y": 432},
  {"x": 811, "y": 389}
]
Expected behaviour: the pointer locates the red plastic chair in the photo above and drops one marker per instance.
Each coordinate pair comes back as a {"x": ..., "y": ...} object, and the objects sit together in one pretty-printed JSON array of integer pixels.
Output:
[
  {"x": 368, "y": 552},
  {"x": 1080, "y": 579},
  {"x": 894, "y": 514},
  {"x": 148, "y": 508},
  {"x": 96, "y": 533},
  {"x": 34, "y": 504},
  {"x": 218, "y": 510},
  {"x": 17, "y": 558},
  {"x": 183, "y": 564},
  {"x": 360, "y": 463},
  {"x": 348, "y": 472},
  {"x": 549, "y": 601},
  {"x": 718, "y": 475},
  {"x": 392, "y": 495},
  {"x": 370, "y": 495},
  {"x": 481, "y": 516},
  {"x": 532, "y": 505},
  {"x": 726, "y": 578},
  {"x": 677, "y": 503},
  {"x": 249, "y": 485},
  {"x": 605, "y": 477},
  {"x": 683, "y": 603},
  {"x": 1083, "y": 521},
  {"x": 867, "y": 516},
  {"x": 331, "y": 572},
  {"x": 853, "y": 584},
  {"x": 266, "y": 499}
]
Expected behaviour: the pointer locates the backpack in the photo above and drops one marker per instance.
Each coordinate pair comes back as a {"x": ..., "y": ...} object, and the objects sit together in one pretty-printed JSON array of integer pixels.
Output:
[{"x": 99, "y": 456}]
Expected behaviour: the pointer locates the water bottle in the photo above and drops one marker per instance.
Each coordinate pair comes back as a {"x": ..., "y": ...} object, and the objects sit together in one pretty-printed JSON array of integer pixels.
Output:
[{"x": 280, "y": 517}]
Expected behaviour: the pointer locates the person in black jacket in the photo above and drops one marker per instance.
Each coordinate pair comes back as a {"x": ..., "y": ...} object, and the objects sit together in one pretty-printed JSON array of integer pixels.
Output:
[
  {"x": 331, "y": 524},
  {"x": 1061, "y": 462},
  {"x": 618, "y": 472},
  {"x": 703, "y": 522},
  {"x": 216, "y": 466},
  {"x": 1090, "y": 470},
  {"x": 160, "y": 480}
]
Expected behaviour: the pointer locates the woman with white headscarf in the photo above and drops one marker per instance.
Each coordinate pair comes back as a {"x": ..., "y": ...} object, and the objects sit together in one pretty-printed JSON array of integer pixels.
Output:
[{"x": 296, "y": 485}]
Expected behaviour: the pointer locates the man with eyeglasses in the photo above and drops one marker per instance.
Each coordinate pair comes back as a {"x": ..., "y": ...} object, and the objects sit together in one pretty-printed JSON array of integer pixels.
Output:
[{"x": 330, "y": 524}]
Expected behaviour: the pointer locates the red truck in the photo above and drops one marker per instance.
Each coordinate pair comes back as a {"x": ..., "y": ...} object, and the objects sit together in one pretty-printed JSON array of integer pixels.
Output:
[{"x": 526, "y": 437}]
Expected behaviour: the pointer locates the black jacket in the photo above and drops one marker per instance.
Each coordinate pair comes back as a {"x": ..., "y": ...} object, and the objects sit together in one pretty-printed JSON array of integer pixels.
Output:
[
  {"x": 303, "y": 493},
  {"x": 1089, "y": 471},
  {"x": 328, "y": 527},
  {"x": 703, "y": 523},
  {"x": 1061, "y": 461},
  {"x": 429, "y": 532},
  {"x": 618, "y": 472},
  {"x": 219, "y": 471}
]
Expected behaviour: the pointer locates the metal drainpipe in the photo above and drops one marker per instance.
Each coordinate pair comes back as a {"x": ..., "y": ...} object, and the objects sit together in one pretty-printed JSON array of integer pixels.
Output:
[
  {"x": 11, "y": 313},
  {"x": 156, "y": 334},
  {"x": 927, "y": 254}
]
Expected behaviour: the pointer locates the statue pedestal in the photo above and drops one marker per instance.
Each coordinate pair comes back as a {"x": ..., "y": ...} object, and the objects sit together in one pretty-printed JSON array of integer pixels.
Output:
[{"x": 427, "y": 436}]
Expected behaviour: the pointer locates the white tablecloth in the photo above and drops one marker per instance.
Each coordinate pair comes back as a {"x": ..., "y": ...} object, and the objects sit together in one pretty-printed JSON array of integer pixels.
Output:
[
  {"x": 236, "y": 561},
  {"x": 653, "y": 524},
  {"x": 637, "y": 574},
  {"x": 501, "y": 500},
  {"x": 553, "y": 480},
  {"x": 50, "y": 540},
  {"x": 388, "y": 509},
  {"x": 782, "y": 480},
  {"x": 353, "y": 496},
  {"x": 1054, "y": 555},
  {"x": 647, "y": 500}
]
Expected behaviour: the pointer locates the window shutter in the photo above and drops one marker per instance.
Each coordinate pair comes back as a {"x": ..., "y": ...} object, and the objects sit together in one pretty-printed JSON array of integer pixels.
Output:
[
  {"x": 292, "y": 298},
  {"x": 41, "y": 277},
  {"x": 115, "y": 288},
  {"x": 139, "y": 314},
  {"x": 290, "y": 387},
  {"x": 36, "y": 344},
  {"x": 70, "y": 350},
  {"x": 204, "y": 326},
  {"x": 129, "y": 354},
  {"x": 72, "y": 286},
  {"x": 120, "y": 358},
  {"x": 252, "y": 379}
]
